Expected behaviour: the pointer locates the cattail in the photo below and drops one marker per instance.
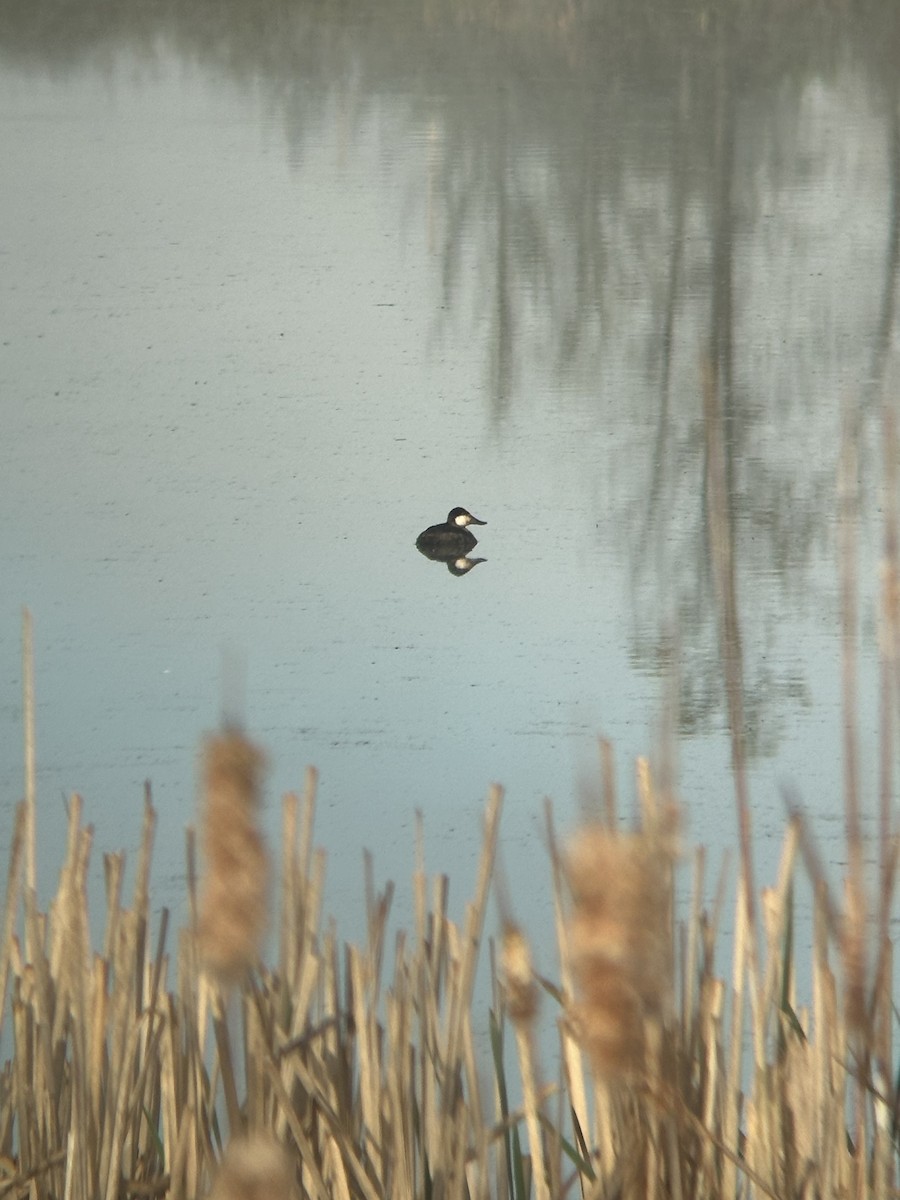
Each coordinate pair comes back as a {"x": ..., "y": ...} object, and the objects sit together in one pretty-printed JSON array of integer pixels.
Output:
[
  {"x": 518, "y": 975},
  {"x": 233, "y": 908},
  {"x": 618, "y": 941},
  {"x": 253, "y": 1168}
]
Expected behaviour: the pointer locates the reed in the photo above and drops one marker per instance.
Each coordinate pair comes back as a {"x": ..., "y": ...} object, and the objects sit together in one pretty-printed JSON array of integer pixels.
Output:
[
  {"x": 354, "y": 1072},
  {"x": 233, "y": 903}
]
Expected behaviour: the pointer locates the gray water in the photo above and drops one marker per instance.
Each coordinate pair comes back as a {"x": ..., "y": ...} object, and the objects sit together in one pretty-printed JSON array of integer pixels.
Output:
[{"x": 283, "y": 283}]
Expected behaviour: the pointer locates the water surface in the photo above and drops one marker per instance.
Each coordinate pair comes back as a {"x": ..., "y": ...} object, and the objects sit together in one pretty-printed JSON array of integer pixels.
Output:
[{"x": 280, "y": 290}]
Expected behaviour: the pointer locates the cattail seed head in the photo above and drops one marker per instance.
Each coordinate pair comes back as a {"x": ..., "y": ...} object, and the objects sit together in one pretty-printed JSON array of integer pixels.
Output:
[
  {"x": 253, "y": 1168},
  {"x": 518, "y": 975},
  {"x": 233, "y": 902},
  {"x": 618, "y": 935}
]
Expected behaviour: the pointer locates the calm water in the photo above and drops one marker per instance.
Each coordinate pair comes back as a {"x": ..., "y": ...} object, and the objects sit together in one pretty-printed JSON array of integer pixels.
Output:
[{"x": 279, "y": 292}]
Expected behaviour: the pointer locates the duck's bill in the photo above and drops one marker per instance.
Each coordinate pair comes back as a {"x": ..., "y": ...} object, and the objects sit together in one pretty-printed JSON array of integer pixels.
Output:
[{"x": 475, "y": 521}]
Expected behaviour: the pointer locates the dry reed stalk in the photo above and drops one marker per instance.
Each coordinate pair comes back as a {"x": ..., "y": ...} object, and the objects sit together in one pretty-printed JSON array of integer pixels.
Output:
[
  {"x": 30, "y": 750},
  {"x": 233, "y": 902},
  {"x": 431, "y": 955},
  {"x": 776, "y": 910},
  {"x": 711, "y": 1007},
  {"x": 301, "y": 868},
  {"x": 141, "y": 900},
  {"x": 11, "y": 902},
  {"x": 259, "y": 1032},
  {"x": 457, "y": 1050},
  {"x": 307, "y": 1154},
  {"x": 254, "y": 1168},
  {"x": 335, "y": 1174},
  {"x": 290, "y": 885},
  {"x": 300, "y": 988},
  {"x": 182, "y": 1058},
  {"x": 572, "y": 1063},
  {"x": 521, "y": 996},
  {"x": 889, "y": 646},
  {"x": 722, "y": 556},
  {"x": 646, "y": 794},
  {"x": 375, "y": 1092},
  {"x": 183, "y": 1178},
  {"x": 370, "y": 1066},
  {"x": 742, "y": 952},
  {"x": 830, "y": 1072},
  {"x": 691, "y": 948},
  {"x": 420, "y": 885},
  {"x": 401, "y": 1091},
  {"x": 881, "y": 1010},
  {"x": 853, "y": 939},
  {"x": 471, "y": 1118}
]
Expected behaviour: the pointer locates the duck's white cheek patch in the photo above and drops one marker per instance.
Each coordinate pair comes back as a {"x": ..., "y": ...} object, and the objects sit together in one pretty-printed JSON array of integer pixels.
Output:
[{"x": 462, "y": 520}]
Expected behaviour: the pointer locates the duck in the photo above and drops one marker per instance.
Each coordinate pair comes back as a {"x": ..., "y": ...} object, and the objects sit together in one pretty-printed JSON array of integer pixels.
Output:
[{"x": 450, "y": 539}]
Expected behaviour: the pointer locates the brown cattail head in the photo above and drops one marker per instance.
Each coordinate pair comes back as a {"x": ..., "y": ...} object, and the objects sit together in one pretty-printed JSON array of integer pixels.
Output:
[
  {"x": 253, "y": 1168},
  {"x": 618, "y": 936},
  {"x": 518, "y": 975},
  {"x": 233, "y": 902}
]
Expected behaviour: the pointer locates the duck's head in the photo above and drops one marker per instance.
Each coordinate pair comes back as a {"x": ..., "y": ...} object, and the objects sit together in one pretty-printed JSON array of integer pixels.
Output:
[{"x": 461, "y": 517}]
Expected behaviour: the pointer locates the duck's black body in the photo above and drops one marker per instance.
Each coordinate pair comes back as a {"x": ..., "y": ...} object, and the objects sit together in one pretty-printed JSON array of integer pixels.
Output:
[{"x": 450, "y": 538}]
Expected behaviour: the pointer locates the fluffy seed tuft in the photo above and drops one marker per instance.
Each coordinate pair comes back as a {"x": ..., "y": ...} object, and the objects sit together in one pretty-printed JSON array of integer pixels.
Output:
[
  {"x": 233, "y": 903},
  {"x": 618, "y": 936},
  {"x": 518, "y": 975},
  {"x": 253, "y": 1168}
]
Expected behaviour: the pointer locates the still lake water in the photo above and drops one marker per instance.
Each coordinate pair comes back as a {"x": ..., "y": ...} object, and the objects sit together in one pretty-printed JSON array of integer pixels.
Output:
[{"x": 281, "y": 285}]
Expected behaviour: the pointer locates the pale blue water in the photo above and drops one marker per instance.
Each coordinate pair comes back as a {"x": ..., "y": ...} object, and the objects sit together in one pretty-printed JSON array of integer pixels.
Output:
[{"x": 266, "y": 317}]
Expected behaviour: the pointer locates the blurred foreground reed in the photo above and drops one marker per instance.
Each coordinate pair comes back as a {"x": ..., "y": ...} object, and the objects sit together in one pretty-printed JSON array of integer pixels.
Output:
[{"x": 144, "y": 1068}]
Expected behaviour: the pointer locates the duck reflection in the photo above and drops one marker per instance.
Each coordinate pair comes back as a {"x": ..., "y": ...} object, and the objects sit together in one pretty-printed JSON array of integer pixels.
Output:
[{"x": 451, "y": 541}]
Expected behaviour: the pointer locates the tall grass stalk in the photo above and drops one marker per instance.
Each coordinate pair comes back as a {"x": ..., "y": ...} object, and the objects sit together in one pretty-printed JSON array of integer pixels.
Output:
[{"x": 363, "y": 1066}]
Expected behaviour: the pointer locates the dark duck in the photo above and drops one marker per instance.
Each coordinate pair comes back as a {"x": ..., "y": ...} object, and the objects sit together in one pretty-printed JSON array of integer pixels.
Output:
[{"x": 450, "y": 538}]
